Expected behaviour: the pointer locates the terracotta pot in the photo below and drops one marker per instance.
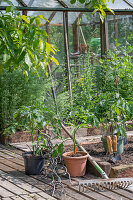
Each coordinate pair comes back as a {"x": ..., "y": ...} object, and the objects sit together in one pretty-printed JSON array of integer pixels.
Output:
[{"x": 76, "y": 166}]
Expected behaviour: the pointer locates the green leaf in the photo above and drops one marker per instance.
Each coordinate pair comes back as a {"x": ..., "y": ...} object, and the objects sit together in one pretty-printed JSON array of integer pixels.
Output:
[
  {"x": 46, "y": 73},
  {"x": 38, "y": 21},
  {"x": 54, "y": 154},
  {"x": 1, "y": 68},
  {"x": 21, "y": 57},
  {"x": 55, "y": 61},
  {"x": 48, "y": 48},
  {"x": 42, "y": 17},
  {"x": 96, "y": 122},
  {"x": 32, "y": 20},
  {"x": 8, "y": 8},
  {"x": 24, "y": 17},
  {"x": 60, "y": 149},
  {"x": 117, "y": 110},
  {"x": 28, "y": 60},
  {"x": 26, "y": 75},
  {"x": 31, "y": 54},
  {"x": 72, "y": 1},
  {"x": 82, "y": 1}
]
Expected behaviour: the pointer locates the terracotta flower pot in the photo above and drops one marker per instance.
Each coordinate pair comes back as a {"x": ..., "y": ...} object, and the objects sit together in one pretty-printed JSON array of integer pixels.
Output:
[{"x": 76, "y": 166}]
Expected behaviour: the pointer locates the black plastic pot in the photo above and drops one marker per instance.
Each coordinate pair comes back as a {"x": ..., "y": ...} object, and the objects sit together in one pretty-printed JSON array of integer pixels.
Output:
[{"x": 33, "y": 164}]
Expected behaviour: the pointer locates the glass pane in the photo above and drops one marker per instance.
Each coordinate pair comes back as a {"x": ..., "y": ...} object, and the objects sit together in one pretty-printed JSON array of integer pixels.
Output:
[
  {"x": 35, "y": 13},
  {"x": 76, "y": 5},
  {"x": 45, "y": 3},
  {"x": 15, "y": 3},
  {"x": 120, "y": 28},
  {"x": 118, "y": 5}
]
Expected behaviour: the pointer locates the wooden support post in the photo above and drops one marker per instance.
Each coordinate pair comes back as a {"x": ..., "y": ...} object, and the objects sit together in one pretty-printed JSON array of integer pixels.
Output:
[
  {"x": 67, "y": 60},
  {"x": 24, "y": 12},
  {"x": 106, "y": 35},
  {"x": 103, "y": 40},
  {"x": 116, "y": 27},
  {"x": 76, "y": 46},
  {"x": 48, "y": 32},
  {"x": 75, "y": 37},
  {"x": 94, "y": 25}
]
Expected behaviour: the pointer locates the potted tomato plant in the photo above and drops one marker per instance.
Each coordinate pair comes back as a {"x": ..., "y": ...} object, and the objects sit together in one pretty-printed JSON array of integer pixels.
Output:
[
  {"x": 33, "y": 119},
  {"x": 75, "y": 161}
]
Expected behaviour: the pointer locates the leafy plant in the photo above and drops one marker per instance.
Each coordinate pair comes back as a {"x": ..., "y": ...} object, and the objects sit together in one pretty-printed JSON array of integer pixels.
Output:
[
  {"x": 23, "y": 51},
  {"x": 80, "y": 118},
  {"x": 34, "y": 119},
  {"x": 24, "y": 45},
  {"x": 97, "y": 5}
]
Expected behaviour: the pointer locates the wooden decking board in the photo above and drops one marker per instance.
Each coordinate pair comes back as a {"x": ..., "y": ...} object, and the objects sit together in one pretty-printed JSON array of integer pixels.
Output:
[
  {"x": 130, "y": 189},
  {"x": 11, "y": 187},
  {"x": 13, "y": 159},
  {"x": 11, "y": 149},
  {"x": 17, "y": 198},
  {"x": 13, "y": 168},
  {"x": 10, "y": 154},
  {"x": 124, "y": 193},
  {"x": 5, "y": 193},
  {"x": 76, "y": 195},
  {"x": 32, "y": 197},
  {"x": 46, "y": 196},
  {"x": 19, "y": 182},
  {"x": 19, "y": 161},
  {"x": 13, "y": 165},
  {"x": 5, "y": 168},
  {"x": 91, "y": 194}
]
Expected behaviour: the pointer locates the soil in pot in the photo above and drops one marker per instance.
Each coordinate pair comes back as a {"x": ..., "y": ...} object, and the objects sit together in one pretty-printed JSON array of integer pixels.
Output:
[
  {"x": 33, "y": 164},
  {"x": 76, "y": 166}
]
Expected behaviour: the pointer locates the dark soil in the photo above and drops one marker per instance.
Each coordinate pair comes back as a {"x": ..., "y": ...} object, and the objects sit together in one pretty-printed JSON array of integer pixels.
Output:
[{"x": 97, "y": 150}]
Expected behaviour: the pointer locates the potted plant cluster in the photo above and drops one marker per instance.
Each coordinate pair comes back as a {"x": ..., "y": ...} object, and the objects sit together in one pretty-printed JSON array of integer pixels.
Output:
[{"x": 75, "y": 160}]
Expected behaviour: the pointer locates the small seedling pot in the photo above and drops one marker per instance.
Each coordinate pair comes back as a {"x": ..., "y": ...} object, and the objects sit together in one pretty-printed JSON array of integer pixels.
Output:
[
  {"x": 33, "y": 164},
  {"x": 76, "y": 166}
]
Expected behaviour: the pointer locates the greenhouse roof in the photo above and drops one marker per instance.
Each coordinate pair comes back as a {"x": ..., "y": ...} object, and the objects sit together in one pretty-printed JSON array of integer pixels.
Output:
[
  {"x": 47, "y": 8},
  {"x": 123, "y": 4}
]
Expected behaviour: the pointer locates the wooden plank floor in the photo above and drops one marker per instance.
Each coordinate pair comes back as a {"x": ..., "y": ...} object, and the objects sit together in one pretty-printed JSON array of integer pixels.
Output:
[{"x": 14, "y": 184}]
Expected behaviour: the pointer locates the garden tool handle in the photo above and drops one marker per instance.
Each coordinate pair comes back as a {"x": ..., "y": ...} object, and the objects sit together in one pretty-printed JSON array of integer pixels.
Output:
[
  {"x": 114, "y": 140},
  {"x": 109, "y": 144}
]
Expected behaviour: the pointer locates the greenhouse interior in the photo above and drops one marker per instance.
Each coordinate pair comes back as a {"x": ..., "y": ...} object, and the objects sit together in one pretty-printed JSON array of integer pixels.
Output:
[{"x": 66, "y": 72}]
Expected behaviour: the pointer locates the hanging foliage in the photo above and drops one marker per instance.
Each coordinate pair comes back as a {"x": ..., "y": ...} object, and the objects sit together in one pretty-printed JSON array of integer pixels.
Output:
[{"x": 23, "y": 44}]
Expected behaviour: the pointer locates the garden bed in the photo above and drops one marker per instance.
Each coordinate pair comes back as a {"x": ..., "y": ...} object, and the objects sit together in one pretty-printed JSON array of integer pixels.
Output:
[{"x": 121, "y": 168}]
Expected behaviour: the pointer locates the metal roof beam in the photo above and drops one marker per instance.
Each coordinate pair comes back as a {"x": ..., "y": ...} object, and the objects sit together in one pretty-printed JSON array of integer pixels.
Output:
[
  {"x": 117, "y": 11},
  {"x": 21, "y": 3}
]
